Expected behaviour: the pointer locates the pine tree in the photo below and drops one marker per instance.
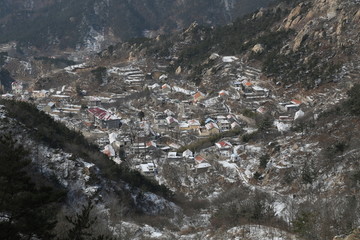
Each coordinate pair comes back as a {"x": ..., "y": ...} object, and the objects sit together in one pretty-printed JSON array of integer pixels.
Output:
[
  {"x": 81, "y": 225},
  {"x": 26, "y": 211}
]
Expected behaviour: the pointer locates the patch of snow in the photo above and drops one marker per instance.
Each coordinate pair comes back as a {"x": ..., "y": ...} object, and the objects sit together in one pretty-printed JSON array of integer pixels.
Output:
[
  {"x": 258, "y": 232},
  {"x": 299, "y": 114},
  {"x": 211, "y": 102},
  {"x": 282, "y": 127},
  {"x": 229, "y": 59}
]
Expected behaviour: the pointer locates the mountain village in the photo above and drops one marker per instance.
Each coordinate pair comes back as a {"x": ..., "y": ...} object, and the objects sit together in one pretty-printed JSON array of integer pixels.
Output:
[
  {"x": 156, "y": 120},
  {"x": 250, "y": 126}
]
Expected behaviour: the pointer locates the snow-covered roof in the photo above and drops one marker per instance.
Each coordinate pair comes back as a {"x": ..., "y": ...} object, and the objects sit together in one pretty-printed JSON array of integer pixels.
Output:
[
  {"x": 229, "y": 59},
  {"x": 171, "y": 120},
  {"x": 211, "y": 125},
  {"x": 109, "y": 151},
  {"x": 60, "y": 96},
  {"x": 163, "y": 77},
  {"x": 203, "y": 165},
  {"x": 150, "y": 144},
  {"x": 173, "y": 155},
  {"x": 187, "y": 153},
  {"x": 169, "y": 112},
  {"x": 183, "y": 125},
  {"x": 258, "y": 88},
  {"x": 299, "y": 114},
  {"x": 112, "y": 137},
  {"x": 184, "y": 91},
  {"x": 147, "y": 167},
  {"x": 194, "y": 122},
  {"x": 155, "y": 85},
  {"x": 174, "y": 145}
]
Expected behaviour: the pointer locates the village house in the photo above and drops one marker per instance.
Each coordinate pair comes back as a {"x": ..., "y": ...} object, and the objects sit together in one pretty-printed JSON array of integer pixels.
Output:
[
  {"x": 160, "y": 121},
  {"x": 17, "y": 88},
  {"x": 198, "y": 97},
  {"x": 184, "y": 126},
  {"x": 201, "y": 165},
  {"x": 291, "y": 107},
  {"x": 138, "y": 147},
  {"x": 246, "y": 86},
  {"x": 199, "y": 159},
  {"x": 256, "y": 92},
  {"x": 174, "y": 156},
  {"x": 8, "y": 96},
  {"x": 212, "y": 128},
  {"x": 151, "y": 146},
  {"x": 168, "y": 112},
  {"x": 93, "y": 101},
  {"x": 166, "y": 88},
  {"x": 40, "y": 93},
  {"x": 237, "y": 84},
  {"x": 224, "y": 148},
  {"x": 223, "y": 94},
  {"x": 172, "y": 123},
  {"x": 235, "y": 125},
  {"x": 147, "y": 169},
  {"x": 209, "y": 129},
  {"x": 194, "y": 124},
  {"x": 109, "y": 151},
  {"x": 70, "y": 108},
  {"x": 103, "y": 118},
  {"x": 223, "y": 123},
  {"x": 188, "y": 154},
  {"x": 50, "y": 107}
]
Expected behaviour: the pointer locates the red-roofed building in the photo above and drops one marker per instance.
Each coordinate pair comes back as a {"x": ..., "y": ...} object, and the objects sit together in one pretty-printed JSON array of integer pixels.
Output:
[
  {"x": 166, "y": 88},
  {"x": 198, "y": 96},
  {"x": 199, "y": 159},
  {"x": 296, "y": 102},
  {"x": 224, "y": 147},
  {"x": 104, "y": 118}
]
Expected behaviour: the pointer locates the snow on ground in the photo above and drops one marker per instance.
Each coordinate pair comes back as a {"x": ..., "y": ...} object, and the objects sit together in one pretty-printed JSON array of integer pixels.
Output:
[
  {"x": 70, "y": 69},
  {"x": 182, "y": 90},
  {"x": 154, "y": 204},
  {"x": 229, "y": 59},
  {"x": 211, "y": 102},
  {"x": 2, "y": 112},
  {"x": 257, "y": 232},
  {"x": 282, "y": 127}
]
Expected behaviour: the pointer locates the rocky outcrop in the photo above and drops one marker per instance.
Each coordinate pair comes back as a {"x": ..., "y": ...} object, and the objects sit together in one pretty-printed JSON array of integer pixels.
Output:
[
  {"x": 355, "y": 235},
  {"x": 96, "y": 24}
]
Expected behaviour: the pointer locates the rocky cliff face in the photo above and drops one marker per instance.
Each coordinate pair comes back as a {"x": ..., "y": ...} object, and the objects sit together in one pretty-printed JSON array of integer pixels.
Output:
[{"x": 92, "y": 24}]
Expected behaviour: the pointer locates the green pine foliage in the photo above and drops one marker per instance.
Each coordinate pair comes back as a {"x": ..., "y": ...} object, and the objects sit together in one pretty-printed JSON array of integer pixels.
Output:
[
  {"x": 81, "y": 225},
  {"x": 353, "y": 102},
  {"x": 57, "y": 135},
  {"x": 26, "y": 210}
]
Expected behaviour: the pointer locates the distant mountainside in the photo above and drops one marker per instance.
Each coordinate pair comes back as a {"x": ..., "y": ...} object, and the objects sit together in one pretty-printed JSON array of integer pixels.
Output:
[{"x": 91, "y": 23}]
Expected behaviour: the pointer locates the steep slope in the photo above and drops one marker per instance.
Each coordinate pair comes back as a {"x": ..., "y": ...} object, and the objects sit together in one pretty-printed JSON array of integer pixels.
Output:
[
  {"x": 305, "y": 44},
  {"x": 95, "y": 23},
  {"x": 54, "y": 158}
]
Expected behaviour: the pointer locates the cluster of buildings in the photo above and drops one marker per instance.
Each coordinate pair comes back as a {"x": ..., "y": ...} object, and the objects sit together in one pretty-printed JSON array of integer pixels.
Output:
[{"x": 175, "y": 116}]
